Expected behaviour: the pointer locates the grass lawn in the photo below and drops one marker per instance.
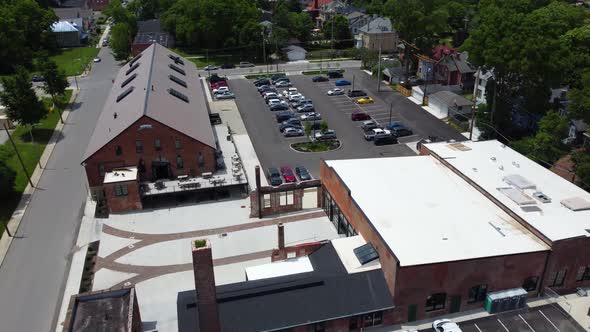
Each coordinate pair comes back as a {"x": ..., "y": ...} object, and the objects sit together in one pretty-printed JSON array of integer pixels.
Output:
[
  {"x": 71, "y": 60},
  {"x": 29, "y": 151},
  {"x": 202, "y": 60},
  {"x": 263, "y": 75},
  {"x": 323, "y": 71},
  {"x": 316, "y": 146}
]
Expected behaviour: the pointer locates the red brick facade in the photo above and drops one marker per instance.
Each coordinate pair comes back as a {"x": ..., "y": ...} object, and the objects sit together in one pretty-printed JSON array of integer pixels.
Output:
[
  {"x": 128, "y": 202},
  {"x": 98, "y": 5},
  {"x": 567, "y": 256},
  {"x": 205, "y": 287},
  {"x": 188, "y": 150}
]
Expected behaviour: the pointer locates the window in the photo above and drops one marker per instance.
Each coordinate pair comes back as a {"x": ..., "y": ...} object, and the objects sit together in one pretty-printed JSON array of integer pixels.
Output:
[
  {"x": 120, "y": 190},
  {"x": 128, "y": 80},
  {"x": 176, "y": 59},
  {"x": 200, "y": 160},
  {"x": 125, "y": 93},
  {"x": 118, "y": 150},
  {"x": 477, "y": 293},
  {"x": 266, "y": 200},
  {"x": 319, "y": 327},
  {"x": 557, "y": 278},
  {"x": 286, "y": 198},
  {"x": 177, "y": 144},
  {"x": 436, "y": 301},
  {"x": 157, "y": 144},
  {"x": 178, "y": 95},
  {"x": 138, "y": 146},
  {"x": 130, "y": 70},
  {"x": 177, "y": 69},
  {"x": 101, "y": 170},
  {"x": 583, "y": 273},
  {"x": 530, "y": 284},
  {"x": 365, "y": 253},
  {"x": 179, "y": 162},
  {"x": 373, "y": 319},
  {"x": 177, "y": 80}
]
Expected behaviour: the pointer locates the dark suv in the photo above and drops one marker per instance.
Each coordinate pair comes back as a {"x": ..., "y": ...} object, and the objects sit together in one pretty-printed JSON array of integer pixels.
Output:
[
  {"x": 284, "y": 116},
  {"x": 356, "y": 93},
  {"x": 274, "y": 176},
  {"x": 334, "y": 74}
]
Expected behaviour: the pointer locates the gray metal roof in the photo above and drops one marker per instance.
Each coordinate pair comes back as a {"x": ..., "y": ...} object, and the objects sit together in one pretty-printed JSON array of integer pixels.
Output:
[
  {"x": 150, "y": 97},
  {"x": 149, "y": 26},
  {"x": 377, "y": 25},
  {"x": 69, "y": 13},
  {"x": 451, "y": 98}
]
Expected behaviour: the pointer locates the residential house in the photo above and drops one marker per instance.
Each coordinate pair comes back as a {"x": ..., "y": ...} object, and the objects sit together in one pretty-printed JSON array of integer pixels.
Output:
[
  {"x": 98, "y": 5},
  {"x": 393, "y": 74},
  {"x": 449, "y": 104},
  {"x": 447, "y": 66},
  {"x": 377, "y": 34},
  {"x": 357, "y": 20},
  {"x": 68, "y": 33},
  {"x": 576, "y": 132},
  {"x": 313, "y": 9},
  {"x": 69, "y": 14},
  {"x": 479, "y": 90},
  {"x": 335, "y": 7},
  {"x": 295, "y": 53}
]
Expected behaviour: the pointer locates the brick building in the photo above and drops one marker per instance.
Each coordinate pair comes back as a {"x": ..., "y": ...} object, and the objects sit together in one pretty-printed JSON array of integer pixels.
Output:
[
  {"x": 148, "y": 33},
  {"x": 156, "y": 122}
]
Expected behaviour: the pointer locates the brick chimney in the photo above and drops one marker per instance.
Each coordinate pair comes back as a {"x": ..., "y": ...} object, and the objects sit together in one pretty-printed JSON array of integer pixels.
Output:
[
  {"x": 281, "y": 230},
  {"x": 205, "y": 286}
]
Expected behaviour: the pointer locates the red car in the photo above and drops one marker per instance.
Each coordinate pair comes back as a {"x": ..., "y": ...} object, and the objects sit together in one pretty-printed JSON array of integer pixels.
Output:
[
  {"x": 287, "y": 174},
  {"x": 218, "y": 84},
  {"x": 359, "y": 116}
]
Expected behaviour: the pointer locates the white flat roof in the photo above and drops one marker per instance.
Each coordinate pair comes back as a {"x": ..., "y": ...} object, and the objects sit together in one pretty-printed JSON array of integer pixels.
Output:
[
  {"x": 428, "y": 214},
  {"x": 344, "y": 248},
  {"x": 492, "y": 165},
  {"x": 278, "y": 269},
  {"x": 121, "y": 175}
]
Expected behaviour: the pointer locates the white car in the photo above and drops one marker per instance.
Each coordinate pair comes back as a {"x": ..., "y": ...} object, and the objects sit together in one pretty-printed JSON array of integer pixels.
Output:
[
  {"x": 283, "y": 84},
  {"x": 274, "y": 101},
  {"x": 296, "y": 97},
  {"x": 96, "y": 60},
  {"x": 445, "y": 325},
  {"x": 335, "y": 92},
  {"x": 290, "y": 91},
  {"x": 311, "y": 116},
  {"x": 270, "y": 95},
  {"x": 221, "y": 89}
]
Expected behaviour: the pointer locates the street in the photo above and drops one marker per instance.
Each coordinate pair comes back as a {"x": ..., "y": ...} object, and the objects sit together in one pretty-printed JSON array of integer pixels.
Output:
[
  {"x": 285, "y": 67},
  {"x": 33, "y": 272}
]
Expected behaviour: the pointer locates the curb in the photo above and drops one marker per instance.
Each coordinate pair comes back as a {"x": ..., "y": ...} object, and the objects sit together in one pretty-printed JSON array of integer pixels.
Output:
[
  {"x": 338, "y": 148},
  {"x": 14, "y": 222}
]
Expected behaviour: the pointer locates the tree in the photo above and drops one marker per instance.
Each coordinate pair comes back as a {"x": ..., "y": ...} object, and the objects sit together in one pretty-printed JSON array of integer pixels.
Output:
[
  {"x": 323, "y": 127},
  {"x": 120, "y": 41},
  {"x": 342, "y": 35},
  {"x": 56, "y": 81},
  {"x": 582, "y": 162},
  {"x": 301, "y": 25},
  {"x": 546, "y": 146},
  {"x": 7, "y": 177},
  {"x": 375, "y": 7},
  {"x": 307, "y": 128},
  {"x": 579, "y": 97},
  {"x": 20, "y": 100}
]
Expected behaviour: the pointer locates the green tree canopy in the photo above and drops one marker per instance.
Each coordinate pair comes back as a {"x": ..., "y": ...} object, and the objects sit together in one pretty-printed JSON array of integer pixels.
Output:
[
  {"x": 546, "y": 146},
  {"x": 121, "y": 41},
  {"x": 7, "y": 177},
  {"x": 56, "y": 81},
  {"x": 342, "y": 35}
]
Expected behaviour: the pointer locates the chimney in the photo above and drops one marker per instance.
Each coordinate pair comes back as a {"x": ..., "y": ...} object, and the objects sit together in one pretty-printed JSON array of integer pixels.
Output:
[
  {"x": 281, "y": 229},
  {"x": 258, "y": 194},
  {"x": 205, "y": 286}
]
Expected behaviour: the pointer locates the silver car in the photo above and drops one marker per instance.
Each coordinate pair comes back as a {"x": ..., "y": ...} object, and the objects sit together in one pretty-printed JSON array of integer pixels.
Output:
[
  {"x": 335, "y": 92},
  {"x": 292, "y": 132},
  {"x": 226, "y": 95}
]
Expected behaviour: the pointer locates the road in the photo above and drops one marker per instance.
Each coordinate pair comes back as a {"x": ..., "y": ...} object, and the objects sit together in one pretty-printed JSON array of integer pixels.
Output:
[
  {"x": 285, "y": 67},
  {"x": 34, "y": 270}
]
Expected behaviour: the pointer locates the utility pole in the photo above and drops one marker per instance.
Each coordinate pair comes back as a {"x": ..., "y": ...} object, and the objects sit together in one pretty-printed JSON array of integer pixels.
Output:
[
  {"x": 352, "y": 82},
  {"x": 426, "y": 85},
  {"x": 379, "y": 65},
  {"x": 474, "y": 104},
  {"x": 18, "y": 155},
  {"x": 264, "y": 50},
  {"x": 390, "y": 111},
  {"x": 333, "y": 16}
]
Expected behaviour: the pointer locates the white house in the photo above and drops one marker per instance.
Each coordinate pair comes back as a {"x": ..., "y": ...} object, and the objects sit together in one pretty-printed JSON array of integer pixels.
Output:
[
  {"x": 449, "y": 104},
  {"x": 295, "y": 53},
  {"x": 479, "y": 90}
]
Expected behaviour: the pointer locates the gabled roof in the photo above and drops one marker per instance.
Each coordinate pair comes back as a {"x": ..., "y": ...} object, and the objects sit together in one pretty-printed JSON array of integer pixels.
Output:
[
  {"x": 149, "y": 26},
  {"x": 64, "y": 26},
  {"x": 69, "y": 13},
  {"x": 377, "y": 25},
  {"x": 451, "y": 98},
  {"x": 149, "y": 94}
]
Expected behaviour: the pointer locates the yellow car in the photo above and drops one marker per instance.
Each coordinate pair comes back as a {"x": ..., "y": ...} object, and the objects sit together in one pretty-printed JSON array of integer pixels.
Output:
[{"x": 364, "y": 100}]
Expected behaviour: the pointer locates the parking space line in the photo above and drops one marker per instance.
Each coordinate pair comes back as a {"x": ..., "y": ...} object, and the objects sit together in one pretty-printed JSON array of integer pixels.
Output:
[
  {"x": 477, "y": 327},
  {"x": 549, "y": 320},
  {"x": 504, "y": 326},
  {"x": 527, "y": 323}
]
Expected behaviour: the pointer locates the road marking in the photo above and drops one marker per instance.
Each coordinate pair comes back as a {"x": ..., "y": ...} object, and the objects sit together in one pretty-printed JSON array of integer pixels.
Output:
[
  {"x": 550, "y": 322},
  {"x": 477, "y": 327},
  {"x": 504, "y": 326},
  {"x": 527, "y": 323}
]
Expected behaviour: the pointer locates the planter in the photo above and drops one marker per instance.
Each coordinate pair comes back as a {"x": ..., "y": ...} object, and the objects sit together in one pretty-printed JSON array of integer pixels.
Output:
[{"x": 316, "y": 146}]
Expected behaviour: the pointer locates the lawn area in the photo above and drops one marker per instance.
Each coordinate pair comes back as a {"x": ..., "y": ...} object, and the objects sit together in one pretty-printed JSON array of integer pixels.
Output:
[
  {"x": 202, "y": 60},
  {"x": 316, "y": 146},
  {"x": 29, "y": 151},
  {"x": 71, "y": 60}
]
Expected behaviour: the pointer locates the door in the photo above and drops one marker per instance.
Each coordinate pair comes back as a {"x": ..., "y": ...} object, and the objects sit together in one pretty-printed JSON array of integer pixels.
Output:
[
  {"x": 412, "y": 311},
  {"x": 455, "y": 303}
]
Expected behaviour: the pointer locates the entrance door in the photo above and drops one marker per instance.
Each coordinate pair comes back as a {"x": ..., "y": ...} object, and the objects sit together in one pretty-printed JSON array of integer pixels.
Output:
[
  {"x": 160, "y": 170},
  {"x": 412, "y": 310},
  {"x": 455, "y": 303}
]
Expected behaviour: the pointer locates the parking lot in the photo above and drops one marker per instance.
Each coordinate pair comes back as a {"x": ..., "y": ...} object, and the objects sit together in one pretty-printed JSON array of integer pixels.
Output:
[
  {"x": 547, "y": 318},
  {"x": 274, "y": 150}
]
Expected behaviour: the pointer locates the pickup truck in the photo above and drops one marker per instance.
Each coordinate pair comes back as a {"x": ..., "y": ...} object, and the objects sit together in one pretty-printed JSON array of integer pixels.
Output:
[{"x": 372, "y": 133}]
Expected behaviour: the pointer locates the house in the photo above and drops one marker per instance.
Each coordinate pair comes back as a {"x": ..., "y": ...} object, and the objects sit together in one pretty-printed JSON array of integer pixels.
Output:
[
  {"x": 576, "y": 132},
  {"x": 98, "y": 5},
  {"x": 419, "y": 91},
  {"x": 69, "y": 14},
  {"x": 393, "y": 74},
  {"x": 479, "y": 90},
  {"x": 450, "y": 104},
  {"x": 313, "y": 9},
  {"x": 377, "y": 34},
  {"x": 154, "y": 127},
  {"x": 335, "y": 7},
  {"x": 148, "y": 33},
  {"x": 357, "y": 20},
  {"x": 447, "y": 66},
  {"x": 68, "y": 33},
  {"x": 4, "y": 120},
  {"x": 295, "y": 53}
]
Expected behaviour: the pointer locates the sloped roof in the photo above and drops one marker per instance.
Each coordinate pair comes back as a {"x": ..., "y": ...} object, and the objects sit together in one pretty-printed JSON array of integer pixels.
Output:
[
  {"x": 63, "y": 26},
  {"x": 294, "y": 48},
  {"x": 149, "y": 26},
  {"x": 451, "y": 98},
  {"x": 377, "y": 25},
  {"x": 151, "y": 97},
  {"x": 69, "y": 13}
]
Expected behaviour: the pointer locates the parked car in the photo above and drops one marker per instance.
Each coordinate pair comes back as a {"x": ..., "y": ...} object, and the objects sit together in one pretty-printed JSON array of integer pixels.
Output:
[
  {"x": 96, "y": 60},
  {"x": 270, "y": 95},
  {"x": 302, "y": 173},
  {"x": 273, "y": 101},
  {"x": 281, "y": 79},
  {"x": 335, "y": 92},
  {"x": 311, "y": 116},
  {"x": 275, "y": 177},
  {"x": 334, "y": 74},
  {"x": 216, "y": 85},
  {"x": 283, "y": 84},
  {"x": 356, "y": 93},
  {"x": 279, "y": 107},
  {"x": 445, "y": 325},
  {"x": 360, "y": 116},
  {"x": 305, "y": 108},
  {"x": 293, "y": 132},
  {"x": 245, "y": 64},
  {"x": 296, "y": 97},
  {"x": 369, "y": 124},
  {"x": 220, "y": 89},
  {"x": 302, "y": 102},
  {"x": 37, "y": 78},
  {"x": 316, "y": 125},
  {"x": 286, "y": 126},
  {"x": 267, "y": 89},
  {"x": 327, "y": 135},
  {"x": 290, "y": 91},
  {"x": 292, "y": 121},
  {"x": 385, "y": 140},
  {"x": 210, "y": 67},
  {"x": 225, "y": 95},
  {"x": 275, "y": 77},
  {"x": 370, "y": 134},
  {"x": 105, "y": 43},
  {"x": 284, "y": 115},
  {"x": 401, "y": 131},
  {"x": 320, "y": 79},
  {"x": 227, "y": 66},
  {"x": 342, "y": 82},
  {"x": 262, "y": 81},
  {"x": 394, "y": 124},
  {"x": 287, "y": 173},
  {"x": 216, "y": 78},
  {"x": 364, "y": 100}
]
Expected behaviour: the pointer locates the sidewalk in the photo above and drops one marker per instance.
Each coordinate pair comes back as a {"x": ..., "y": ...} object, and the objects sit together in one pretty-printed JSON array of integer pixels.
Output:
[{"x": 27, "y": 195}]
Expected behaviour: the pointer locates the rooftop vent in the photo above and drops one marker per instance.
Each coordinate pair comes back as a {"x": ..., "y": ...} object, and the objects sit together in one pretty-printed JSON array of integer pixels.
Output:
[
  {"x": 576, "y": 204},
  {"x": 459, "y": 146},
  {"x": 125, "y": 93},
  {"x": 365, "y": 253},
  {"x": 128, "y": 80},
  {"x": 177, "y": 80},
  {"x": 177, "y": 59},
  {"x": 177, "y": 69},
  {"x": 493, "y": 158},
  {"x": 132, "y": 68},
  {"x": 178, "y": 95},
  {"x": 517, "y": 196},
  {"x": 541, "y": 197},
  {"x": 519, "y": 181}
]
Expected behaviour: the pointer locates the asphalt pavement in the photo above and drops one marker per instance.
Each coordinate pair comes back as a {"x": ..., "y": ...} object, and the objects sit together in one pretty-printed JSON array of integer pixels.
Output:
[
  {"x": 297, "y": 66},
  {"x": 34, "y": 271}
]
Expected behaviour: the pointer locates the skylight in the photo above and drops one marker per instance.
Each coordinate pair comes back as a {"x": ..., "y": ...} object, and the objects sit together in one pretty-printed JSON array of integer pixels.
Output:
[
  {"x": 177, "y": 69},
  {"x": 132, "y": 68},
  {"x": 178, "y": 95},
  {"x": 128, "y": 80},
  {"x": 366, "y": 253},
  {"x": 125, "y": 93},
  {"x": 134, "y": 60},
  {"x": 177, "y": 80},
  {"x": 176, "y": 59}
]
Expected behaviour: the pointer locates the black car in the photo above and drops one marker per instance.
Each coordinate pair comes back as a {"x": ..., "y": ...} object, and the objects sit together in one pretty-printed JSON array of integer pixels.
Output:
[
  {"x": 281, "y": 79},
  {"x": 334, "y": 74},
  {"x": 284, "y": 126},
  {"x": 302, "y": 173},
  {"x": 356, "y": 93},
  {"x": 401, "y": 131},
  {"x": 262, "y": 81},
  {"x": 37, "y": 78},
  {"x": 385, "y": 140},
  {"x": 315, "y": 125},
  {"x": 284, "y": 116},
  {"x": 216, "y": 78},
  {"x": 227, "y": 66},
  {"x": 274, "y": 176},
  {"x": 274, "y": 77},
  {"x": 320, "y": 79},
  {"x": 279, "y": 107}
]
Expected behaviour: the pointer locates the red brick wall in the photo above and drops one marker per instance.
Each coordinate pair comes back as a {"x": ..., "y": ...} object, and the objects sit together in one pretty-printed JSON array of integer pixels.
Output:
[
  {"x": 138, "y": 48},
  {"x": 131, "y": 201},
  {"x": 129, "y": 157},
  {"x": 568, "y": 254},
  {"x": 416, "y": 283},
  {"x": 205, "y": 287},
  {"x": 331, "y": 182},
  {"x": 275, "y": 203}
]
